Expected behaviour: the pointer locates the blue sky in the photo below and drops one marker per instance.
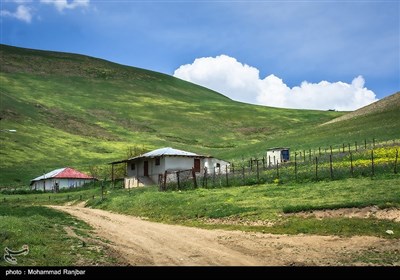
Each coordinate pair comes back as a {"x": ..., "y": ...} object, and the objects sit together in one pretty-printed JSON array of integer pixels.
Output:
[{"x": 298, "y": 54}]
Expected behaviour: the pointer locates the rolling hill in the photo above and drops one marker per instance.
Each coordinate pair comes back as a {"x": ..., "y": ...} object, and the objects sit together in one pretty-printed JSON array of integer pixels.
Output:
[{"x": 74, "y": 110}]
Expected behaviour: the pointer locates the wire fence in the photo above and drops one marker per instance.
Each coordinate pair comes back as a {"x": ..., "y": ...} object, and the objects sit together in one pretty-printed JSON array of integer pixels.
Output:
[{"x": 346, "y": 161}]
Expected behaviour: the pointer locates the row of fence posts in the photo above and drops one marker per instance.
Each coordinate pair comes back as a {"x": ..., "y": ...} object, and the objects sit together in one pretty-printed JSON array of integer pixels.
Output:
[{"x": 278, "y": 167}]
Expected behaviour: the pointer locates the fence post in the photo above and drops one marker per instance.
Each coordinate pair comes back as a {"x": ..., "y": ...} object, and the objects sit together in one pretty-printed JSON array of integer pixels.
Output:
[
  {"x": 395, "y": 161},
  {"x": 365, "y": 144},
  {"x": 233, "y": 168},
  {"x": 205, "y": 177},
  {"x": 309, "y": 155},
  {"x": 251, "y": 164},
  {"x": 227, "y": 175},
  {"x": 372, "y": 163},
  {"x": 165, "y": 180},
  {"x": 269, "y": 161},
  {"x": 304, "y": 155},
  {"x": 263, "y": 161},
  {"x": 258, "y": 172},
  {"x": 316, "y": 168},
  {"x": 319, "y": 151},
  {"x": 194, "y": 178},
  {"x": 277, "y": 170},
  {"x": 330, "y": 166},
  {"x": 177, "y": 178},
  {"x": 349, "y": 148},
  {"x": 351, "y": 165},
  {"x": 356, "y": 146},
  {"x": 243, "y": 175},
  {"x": 343, "y": 147},
  {"x": 331, "y": 149}
]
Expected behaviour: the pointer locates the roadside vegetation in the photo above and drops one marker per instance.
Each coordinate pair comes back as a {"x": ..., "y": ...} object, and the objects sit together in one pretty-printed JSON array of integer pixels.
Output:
[{"x": 54, "y": 238}]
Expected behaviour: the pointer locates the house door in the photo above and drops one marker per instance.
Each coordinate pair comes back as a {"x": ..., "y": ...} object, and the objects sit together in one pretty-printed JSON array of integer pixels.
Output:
[
  {"x": 146, "y": 168},
  {"x": 196, "y": 165}
]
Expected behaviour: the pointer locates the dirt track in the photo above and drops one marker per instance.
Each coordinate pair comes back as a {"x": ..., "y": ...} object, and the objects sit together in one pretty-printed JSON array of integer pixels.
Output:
[{"x": 142, "y": 242}]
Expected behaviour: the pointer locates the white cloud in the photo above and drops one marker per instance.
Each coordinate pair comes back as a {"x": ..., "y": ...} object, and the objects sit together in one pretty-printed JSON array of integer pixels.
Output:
[
  {"x": 22, "y": 13},
  {"x": 64, "y": 4},
  {"x": 242, "y": 82}
]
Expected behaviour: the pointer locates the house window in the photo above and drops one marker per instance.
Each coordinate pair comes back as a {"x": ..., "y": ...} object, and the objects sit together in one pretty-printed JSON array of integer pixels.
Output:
[
  {"x": 133, "y": 166},
  {"x": 218, "y": 165},
  {"x": 157, "y": 161}
]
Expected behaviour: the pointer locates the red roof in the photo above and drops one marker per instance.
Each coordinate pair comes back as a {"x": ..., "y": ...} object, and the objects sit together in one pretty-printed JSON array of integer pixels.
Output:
[{"x": 72, "y": 173}]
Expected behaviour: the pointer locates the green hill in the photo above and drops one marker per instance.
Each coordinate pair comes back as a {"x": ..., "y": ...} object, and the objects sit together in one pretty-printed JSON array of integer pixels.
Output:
[{"x": 74, "y": 110}]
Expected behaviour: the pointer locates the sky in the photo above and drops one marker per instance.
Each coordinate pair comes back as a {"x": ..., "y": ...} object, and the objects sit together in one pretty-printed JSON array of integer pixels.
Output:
[{"x": 317, "y": 54}]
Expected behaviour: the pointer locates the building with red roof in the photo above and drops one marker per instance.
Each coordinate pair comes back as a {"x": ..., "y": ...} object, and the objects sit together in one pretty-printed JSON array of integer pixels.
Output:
[{"x": 60, "y": 179}]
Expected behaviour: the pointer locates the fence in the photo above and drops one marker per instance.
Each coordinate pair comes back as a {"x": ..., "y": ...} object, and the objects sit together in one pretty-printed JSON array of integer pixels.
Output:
[{"x": 321, "y": 164}]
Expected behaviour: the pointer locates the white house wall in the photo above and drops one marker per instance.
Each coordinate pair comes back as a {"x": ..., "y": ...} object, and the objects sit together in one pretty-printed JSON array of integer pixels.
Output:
[
  {"x": 49, "y": 184},
  {"x": 212, "y": 163},
  {"x": 274, "y": 157}
]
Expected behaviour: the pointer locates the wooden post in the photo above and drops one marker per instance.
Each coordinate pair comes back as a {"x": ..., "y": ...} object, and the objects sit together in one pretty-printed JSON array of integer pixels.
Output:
[
  {"x": 194, "y": 178},
  {"x": 351, "y": 165},
  {"x": 165, "y": 180},
  {"x": 316, "y": 168},
  {"x": 277, "y": 170},
  {"x": 258, "y": 173},
  {"x": 304, "y": 155},
  {"x": 205, "y": 177},
  {"x": 177, "y": 178},
  {"x": 349, "y": 148},
  {"x": 331, "y": 149},
  {"x": 309, "y": 155},
  {"x": 356, "y": 146},
  {"x": 243, "y": 175},
  {"x": 319, "y": 151},
  {"x": 251, "y": 164},
  {"x": 365, "y": 144},
  {"x": 263, "y": 161},
  {"x": 395, "y": 161},
  {"x": 330, "y": 166},
  {"x": 343, "y": 147},
  {"x": 227, "y": 175},
  {"x": 372, "y": 163}
]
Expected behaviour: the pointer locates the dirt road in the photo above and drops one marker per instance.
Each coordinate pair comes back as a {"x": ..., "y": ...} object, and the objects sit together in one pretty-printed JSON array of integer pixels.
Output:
[{"x": 142, "y": 242}]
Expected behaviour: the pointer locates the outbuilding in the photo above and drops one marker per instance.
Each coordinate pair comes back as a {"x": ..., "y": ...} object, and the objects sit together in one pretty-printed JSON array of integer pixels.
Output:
[
  {"x": 277, "y": 156},
  {"x": 61, "y": 178}
]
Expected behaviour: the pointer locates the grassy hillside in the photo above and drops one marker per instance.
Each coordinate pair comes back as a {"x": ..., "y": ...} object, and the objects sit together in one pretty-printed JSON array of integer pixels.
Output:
[{"x": 73, "y": 110}]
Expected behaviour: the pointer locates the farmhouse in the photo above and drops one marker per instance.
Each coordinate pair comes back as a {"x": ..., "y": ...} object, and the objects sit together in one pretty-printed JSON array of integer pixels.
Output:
[
  {"x": 60, "y": 179},
  {"x": 277, "y": 156},
  {"x": 150, "y": 168}
]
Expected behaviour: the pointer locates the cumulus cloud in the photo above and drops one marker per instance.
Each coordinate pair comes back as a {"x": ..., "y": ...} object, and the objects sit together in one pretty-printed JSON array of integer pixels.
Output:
[
  {"x": 22, "y": 13},
  {"x": 64, "y": 4},
  {"x": 242, "y": 82}
]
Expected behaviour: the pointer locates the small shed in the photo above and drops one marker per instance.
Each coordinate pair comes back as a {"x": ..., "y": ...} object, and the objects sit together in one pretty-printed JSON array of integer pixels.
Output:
[
  {"x": 61, "y": 178},
  {"x": 277, "y": 155}
]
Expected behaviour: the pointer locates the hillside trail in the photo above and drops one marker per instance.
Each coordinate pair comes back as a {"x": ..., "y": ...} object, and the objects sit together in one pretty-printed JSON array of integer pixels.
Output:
[{"x": 144, "y": 243}]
